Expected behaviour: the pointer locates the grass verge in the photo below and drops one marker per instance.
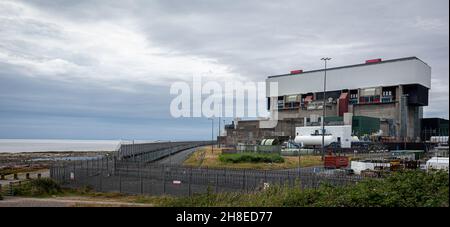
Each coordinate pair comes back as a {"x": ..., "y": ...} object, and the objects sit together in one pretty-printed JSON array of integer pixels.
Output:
[{"x": 206, "y": 157}]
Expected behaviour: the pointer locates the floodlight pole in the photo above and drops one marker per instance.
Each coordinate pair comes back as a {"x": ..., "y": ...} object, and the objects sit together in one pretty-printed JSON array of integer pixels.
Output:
[
  {"x": 212, "y": 135},
  {"x": 324, "y": 105}
]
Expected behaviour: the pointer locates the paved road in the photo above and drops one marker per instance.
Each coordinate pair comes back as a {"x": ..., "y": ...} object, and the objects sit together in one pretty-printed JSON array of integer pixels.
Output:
[{"x": 178, "y": 158}]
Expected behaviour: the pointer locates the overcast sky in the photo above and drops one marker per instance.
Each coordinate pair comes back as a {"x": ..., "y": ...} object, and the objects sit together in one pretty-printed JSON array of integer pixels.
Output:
[{"x": 101, "y": 69}]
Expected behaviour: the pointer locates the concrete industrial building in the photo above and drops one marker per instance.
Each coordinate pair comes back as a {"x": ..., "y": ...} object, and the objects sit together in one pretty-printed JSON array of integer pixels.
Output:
[{"x": 394, "y": 91}]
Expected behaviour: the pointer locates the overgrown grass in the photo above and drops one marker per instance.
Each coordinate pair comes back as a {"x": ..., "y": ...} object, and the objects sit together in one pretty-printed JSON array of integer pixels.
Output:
[
  {"x": 38, "y": 187},
  {"x": 251, "y": 157},
  {"x": 403, "y": 189},
  {"x": 205, "y": 157}
]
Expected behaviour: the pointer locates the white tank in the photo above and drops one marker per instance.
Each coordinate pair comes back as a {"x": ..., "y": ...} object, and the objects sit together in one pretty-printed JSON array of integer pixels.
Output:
[
  {"x": 314, "y": 140},
  {"x": 355, "y": 139}
]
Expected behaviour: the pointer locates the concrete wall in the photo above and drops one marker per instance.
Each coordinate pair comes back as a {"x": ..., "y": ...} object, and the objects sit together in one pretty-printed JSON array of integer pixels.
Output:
[{"x": 387, "y": 110}]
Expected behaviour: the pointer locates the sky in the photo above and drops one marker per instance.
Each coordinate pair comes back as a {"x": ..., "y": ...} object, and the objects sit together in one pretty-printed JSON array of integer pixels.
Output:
[{"x": 103, "y": 69}]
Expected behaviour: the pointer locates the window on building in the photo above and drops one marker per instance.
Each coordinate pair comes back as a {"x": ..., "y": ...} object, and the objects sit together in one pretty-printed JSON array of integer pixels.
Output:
[{"x": 291, "y": 98}]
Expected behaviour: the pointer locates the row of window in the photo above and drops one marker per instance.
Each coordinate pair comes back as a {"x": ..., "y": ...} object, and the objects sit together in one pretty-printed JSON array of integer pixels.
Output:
[{"x": 387, "y": 93}]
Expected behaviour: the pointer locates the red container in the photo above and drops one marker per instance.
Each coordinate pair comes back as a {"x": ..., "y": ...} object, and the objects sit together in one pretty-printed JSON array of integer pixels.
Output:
[
  {"x": 296, "y": 71},
  {"x": 335, "y": 162},
  {"x": 343, "y": 104},
  {"x": 373, "y": 60}
]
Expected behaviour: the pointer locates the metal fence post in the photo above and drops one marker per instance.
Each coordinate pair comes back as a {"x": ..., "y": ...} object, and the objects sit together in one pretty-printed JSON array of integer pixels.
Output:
[
  {"x": 217, "y": 182},
  {"x": 140, "y": 178},
  {"x": 150, "y": 178},
  {"x": 126, "y": 169},
  {"x": 225, "y": 176},
  {"x": 64, "y": 175},
  {"x": 243, "y": 181},
  {"x": 265, "y": 176},
  {"x": 120, "y": 181},
  {"x": 114, "y": 165},
  {"x": 190, "y": 179},
  {"x": 164, "y": 179},
  {"x": 11, "y": 189}
]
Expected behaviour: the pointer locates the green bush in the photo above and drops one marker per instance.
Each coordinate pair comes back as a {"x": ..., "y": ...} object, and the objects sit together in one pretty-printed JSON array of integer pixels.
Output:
[
  {"x": 38, "y": 187},
  {"x": 402, "y": 189},
  {"x": 251, "y": 157}
]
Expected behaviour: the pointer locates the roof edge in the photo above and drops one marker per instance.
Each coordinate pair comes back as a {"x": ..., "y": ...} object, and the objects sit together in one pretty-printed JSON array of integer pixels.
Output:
[{"x": 355, "y": 65}]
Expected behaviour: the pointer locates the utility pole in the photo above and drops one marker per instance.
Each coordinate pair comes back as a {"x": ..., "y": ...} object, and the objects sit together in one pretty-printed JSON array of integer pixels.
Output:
[
  {"x": 324, "y": 105},
  {"x": 212, "y": 134},
  {"x": 218, "y": 135}
]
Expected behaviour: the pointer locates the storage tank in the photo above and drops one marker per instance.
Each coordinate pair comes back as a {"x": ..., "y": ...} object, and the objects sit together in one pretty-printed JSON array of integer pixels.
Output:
[
  {"x": 337, "y": 133},
  {"x": 310, "y": 140}
]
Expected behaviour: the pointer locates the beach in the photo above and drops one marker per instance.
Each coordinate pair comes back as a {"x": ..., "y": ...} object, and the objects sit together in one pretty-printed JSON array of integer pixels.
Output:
[{"x": 28, "y": 154}]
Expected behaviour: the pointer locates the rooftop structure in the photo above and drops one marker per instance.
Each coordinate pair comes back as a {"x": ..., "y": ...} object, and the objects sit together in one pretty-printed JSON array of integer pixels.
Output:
[{"x": 393, "y": 91}]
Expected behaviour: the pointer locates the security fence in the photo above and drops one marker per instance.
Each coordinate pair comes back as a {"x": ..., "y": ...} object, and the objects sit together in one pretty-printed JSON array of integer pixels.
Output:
[
  {"x": 147, "y": 152},
  {"x": 132, "y": 177}
]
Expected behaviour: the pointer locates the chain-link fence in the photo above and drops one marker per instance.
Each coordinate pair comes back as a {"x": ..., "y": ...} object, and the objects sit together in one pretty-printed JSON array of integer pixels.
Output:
[{"x": 129, "y": 177}]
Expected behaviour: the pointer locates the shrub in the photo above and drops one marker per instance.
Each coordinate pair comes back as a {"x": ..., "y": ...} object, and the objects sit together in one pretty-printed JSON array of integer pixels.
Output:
[
  {"x": 251, "y": 157},
  {"x": 38, "y": 187}
]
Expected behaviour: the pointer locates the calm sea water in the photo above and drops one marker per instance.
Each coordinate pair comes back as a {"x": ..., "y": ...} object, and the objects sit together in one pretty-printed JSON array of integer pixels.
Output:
[{"x": 35, "y": 145}]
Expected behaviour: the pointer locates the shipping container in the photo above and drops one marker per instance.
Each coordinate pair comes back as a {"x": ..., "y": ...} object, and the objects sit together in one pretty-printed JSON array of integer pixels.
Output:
[{"x": 335, "y": 162}]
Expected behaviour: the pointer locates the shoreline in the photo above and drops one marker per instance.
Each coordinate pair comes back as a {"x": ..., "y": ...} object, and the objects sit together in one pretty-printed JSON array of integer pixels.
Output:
[{"x": 44, "y": 158}]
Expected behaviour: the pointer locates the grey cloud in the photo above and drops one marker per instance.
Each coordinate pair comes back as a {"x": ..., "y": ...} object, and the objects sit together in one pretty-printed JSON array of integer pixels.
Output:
[{"x": 253, "y": 39}]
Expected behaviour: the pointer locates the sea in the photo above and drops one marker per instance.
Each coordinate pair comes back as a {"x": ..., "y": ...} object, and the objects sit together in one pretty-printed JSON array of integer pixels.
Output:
[{"x": 46, "y": 145}]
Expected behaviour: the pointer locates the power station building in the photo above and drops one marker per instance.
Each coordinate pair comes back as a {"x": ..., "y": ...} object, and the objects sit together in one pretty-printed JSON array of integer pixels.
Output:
[{"x": 393, "y": 92}]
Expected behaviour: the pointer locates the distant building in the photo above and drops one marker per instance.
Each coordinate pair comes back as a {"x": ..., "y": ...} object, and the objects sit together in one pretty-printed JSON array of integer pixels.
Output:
[
  {"x": 433, "y": 127},
  {"x": 393, "y": 91}
]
